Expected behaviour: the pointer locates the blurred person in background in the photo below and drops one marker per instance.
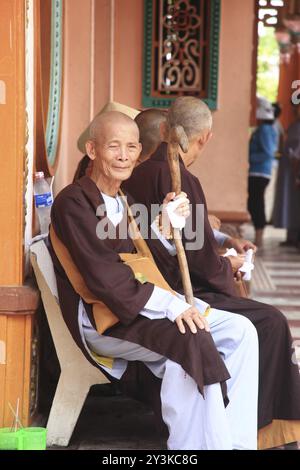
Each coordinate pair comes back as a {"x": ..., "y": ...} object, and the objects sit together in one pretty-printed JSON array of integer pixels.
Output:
[
  {"x": 278, "y": 128},
  {"x": 286, "y": 212},
  {"x": 261, "y": 157}
]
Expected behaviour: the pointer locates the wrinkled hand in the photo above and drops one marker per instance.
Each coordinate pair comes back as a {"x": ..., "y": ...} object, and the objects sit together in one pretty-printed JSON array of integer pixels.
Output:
[
  {"x": 240, "y": 245},
  {"x": 238, "y": 276},
  {"x": 193, "y": 318},
  {"x": 236, "y": 262},
  {"x": 184, "y": 208}
]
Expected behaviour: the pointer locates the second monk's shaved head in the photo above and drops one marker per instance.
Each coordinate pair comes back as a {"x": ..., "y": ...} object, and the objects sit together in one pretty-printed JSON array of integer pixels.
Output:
[
  {"x": 148, "y": 122},
  {"x": 190, "y": 113}
]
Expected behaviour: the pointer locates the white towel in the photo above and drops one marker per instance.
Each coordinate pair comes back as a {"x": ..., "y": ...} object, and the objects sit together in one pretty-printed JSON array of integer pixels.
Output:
[
  {"x": 177, "y": 221},
  {"x": 248, "y": 266}
]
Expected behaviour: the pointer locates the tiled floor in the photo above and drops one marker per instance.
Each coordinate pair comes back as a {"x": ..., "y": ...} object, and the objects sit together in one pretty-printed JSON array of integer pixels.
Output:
[
  {"x": 276, "y": 278},
  {"x": 116, "y": 422}
]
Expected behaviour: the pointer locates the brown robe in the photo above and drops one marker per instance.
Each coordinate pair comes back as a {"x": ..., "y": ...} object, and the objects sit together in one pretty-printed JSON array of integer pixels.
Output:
[
  {"x": 212, "y": 279},
  {"x": 74, "y": 220}
]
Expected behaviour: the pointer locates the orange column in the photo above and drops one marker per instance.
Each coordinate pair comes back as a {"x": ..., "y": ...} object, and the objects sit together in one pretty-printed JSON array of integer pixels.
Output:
[
  {"x": 12, "y": 138},
  {"x": 17, "y": 302}
]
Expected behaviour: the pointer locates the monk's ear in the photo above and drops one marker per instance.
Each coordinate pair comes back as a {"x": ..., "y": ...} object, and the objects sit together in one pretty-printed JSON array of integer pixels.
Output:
[
  {"x": 204, "y": 138},
  {"x": 90, "y": 149},
  {"x": 163, "y": 131},
  {"x": 209, "y": 136}
]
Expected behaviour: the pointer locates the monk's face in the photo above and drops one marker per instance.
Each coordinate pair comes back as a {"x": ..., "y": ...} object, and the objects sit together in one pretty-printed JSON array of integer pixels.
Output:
[
  {"x": 117, "y": 150},
  {"x": 196, "y": 146}
]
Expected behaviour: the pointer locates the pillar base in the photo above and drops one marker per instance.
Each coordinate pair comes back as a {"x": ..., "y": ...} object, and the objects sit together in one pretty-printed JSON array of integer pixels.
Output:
[{"x": 18, "y": 353}]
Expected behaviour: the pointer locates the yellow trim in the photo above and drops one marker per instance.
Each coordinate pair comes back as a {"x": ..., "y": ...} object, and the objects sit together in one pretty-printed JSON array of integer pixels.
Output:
[
  {"x": 103, "y": 360},
  {"x": 207, "y": 311}
]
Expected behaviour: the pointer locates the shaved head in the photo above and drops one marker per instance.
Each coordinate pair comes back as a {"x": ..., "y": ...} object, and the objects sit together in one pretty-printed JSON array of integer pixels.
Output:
[
  {"x": 103, "y": 122},
  {"x": 148, "y": 122},
  {"x": 190, "y": 113},
  {"x": 114, "y": 148}
]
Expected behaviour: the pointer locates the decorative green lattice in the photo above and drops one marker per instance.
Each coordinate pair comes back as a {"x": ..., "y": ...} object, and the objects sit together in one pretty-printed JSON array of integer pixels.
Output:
[
  {"x": 211, "y": 98},
  {"x": 53, "y": 118}
]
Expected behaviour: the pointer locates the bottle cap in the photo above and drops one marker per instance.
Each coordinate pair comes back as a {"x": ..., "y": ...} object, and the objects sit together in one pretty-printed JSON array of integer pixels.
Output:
[{"x": 39, "y": 175}]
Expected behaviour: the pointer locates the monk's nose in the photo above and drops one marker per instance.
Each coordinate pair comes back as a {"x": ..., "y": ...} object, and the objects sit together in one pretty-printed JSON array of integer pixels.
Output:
[{"x": 123, "y": 154}]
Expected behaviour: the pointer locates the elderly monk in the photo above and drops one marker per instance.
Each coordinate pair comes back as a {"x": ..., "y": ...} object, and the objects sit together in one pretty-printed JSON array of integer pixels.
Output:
[
  {"x": 149, "y": 123},
  {"x": 119, "y": 308},
  {"x": 211, "y": 275}
]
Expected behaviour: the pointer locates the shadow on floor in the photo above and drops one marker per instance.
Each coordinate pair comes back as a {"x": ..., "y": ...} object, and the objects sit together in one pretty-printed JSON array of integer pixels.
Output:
[{"x": 110, "y": 420}]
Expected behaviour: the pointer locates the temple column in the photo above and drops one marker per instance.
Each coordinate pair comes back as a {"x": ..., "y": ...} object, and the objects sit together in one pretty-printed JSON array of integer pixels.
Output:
[{"x": 17, "y": 302}]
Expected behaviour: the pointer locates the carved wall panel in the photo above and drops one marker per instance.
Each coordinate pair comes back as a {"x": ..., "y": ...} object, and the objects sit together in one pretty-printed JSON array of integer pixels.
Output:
[{"x": 181, "y": 50}]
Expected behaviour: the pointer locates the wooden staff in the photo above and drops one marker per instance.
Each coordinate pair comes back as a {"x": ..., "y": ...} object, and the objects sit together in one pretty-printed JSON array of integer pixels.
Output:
[{"x": 178, "y": 138}]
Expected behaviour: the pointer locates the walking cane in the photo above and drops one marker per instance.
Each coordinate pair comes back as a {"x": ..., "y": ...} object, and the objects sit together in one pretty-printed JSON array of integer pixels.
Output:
[{"x": 178, "y": 138}]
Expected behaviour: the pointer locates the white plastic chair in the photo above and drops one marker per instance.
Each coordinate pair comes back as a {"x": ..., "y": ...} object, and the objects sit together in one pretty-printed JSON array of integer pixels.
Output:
[{"x": 77, "y": 373}]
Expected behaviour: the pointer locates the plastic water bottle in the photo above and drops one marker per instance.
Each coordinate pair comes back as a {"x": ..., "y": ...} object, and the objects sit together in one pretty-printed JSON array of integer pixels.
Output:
[{"x": 43, "y": 201}]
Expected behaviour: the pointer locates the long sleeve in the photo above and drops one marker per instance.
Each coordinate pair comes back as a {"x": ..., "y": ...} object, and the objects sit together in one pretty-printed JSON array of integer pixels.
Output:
[
  {"x": 263, "y": 144},
  {"x": 268, "y": 140},
  {"x": 163, "y": 304},
  {"x": 262, "y": 151},
  {"x": 170, "y": 247},
  {"x": 220, "y": 237}
]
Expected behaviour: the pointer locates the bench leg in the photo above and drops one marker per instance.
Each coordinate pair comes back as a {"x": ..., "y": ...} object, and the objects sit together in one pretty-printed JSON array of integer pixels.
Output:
[{"x": 69, "y": 398}]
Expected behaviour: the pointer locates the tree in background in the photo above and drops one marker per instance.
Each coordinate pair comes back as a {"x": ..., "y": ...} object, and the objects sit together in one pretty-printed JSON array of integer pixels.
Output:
[{"x": 268, "y": 64}]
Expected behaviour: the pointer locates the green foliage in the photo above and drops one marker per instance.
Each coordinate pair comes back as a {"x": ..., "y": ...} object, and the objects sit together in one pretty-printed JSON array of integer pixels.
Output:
[{"x": 268, "y": 65}]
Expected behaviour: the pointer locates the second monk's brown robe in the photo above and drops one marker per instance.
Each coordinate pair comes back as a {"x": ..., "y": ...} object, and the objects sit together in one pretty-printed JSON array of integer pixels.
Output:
[{"x": 212, "y": 280}]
